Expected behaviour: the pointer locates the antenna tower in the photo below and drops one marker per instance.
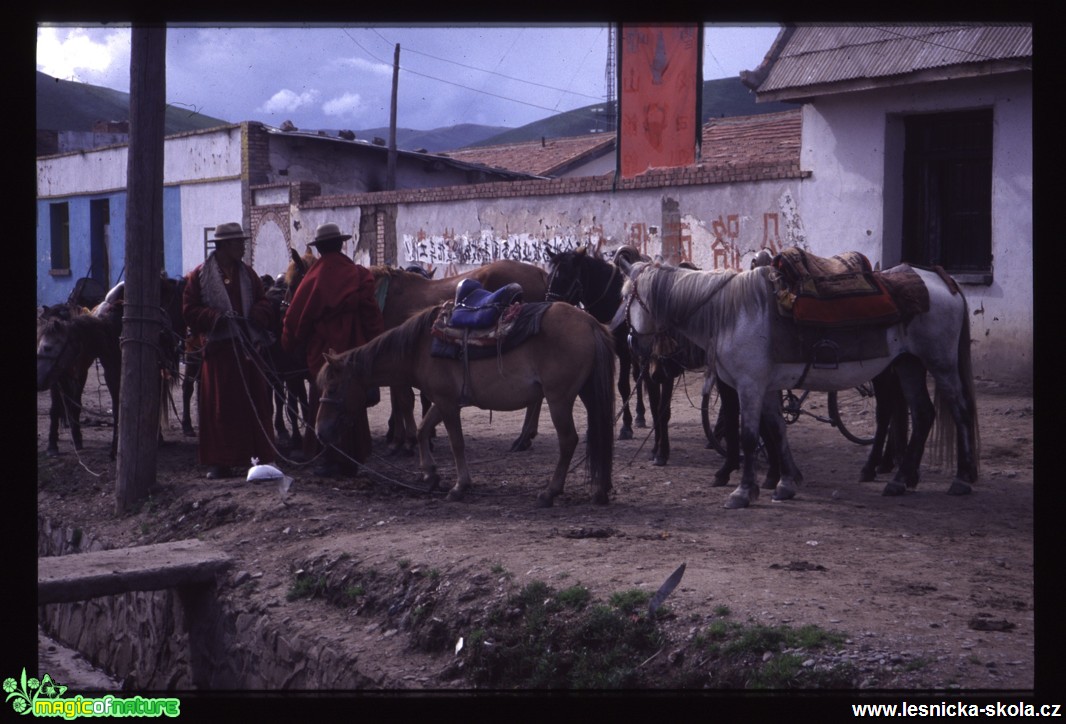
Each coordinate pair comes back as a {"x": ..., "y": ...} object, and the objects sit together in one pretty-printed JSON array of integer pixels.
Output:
[{"x": 610, "y": 107}]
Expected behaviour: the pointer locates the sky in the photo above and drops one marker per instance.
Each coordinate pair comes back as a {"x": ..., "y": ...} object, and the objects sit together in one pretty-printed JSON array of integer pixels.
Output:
[{"x": 340, "y": 77}]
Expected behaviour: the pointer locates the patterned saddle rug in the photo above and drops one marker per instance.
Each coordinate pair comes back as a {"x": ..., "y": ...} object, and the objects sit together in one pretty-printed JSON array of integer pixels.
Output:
[{"x": 841, "y": 290}]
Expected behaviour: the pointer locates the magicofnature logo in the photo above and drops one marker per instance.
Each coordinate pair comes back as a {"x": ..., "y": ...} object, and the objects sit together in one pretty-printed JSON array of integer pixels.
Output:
[{"x": 44, "y": 697}]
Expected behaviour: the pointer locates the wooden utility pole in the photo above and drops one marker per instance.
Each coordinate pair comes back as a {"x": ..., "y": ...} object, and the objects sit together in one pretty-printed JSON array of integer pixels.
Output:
[
  {"x": 142, "y": 322},
  {"x": 390, "y": 172}
]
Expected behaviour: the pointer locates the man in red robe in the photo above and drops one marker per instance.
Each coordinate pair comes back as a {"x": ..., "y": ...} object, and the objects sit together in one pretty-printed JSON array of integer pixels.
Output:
[
  {"x": 333, "y": 308},
  {"x": 224, "y": 302}
]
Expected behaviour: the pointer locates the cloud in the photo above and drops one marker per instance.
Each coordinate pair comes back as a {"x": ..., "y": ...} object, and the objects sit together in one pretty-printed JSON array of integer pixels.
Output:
[
  {"x": 287, "y": 101},
  {"x": 347, "y": 105},
  {"x": 85, "y": 55},
  {"x": 361, "y": 64}
]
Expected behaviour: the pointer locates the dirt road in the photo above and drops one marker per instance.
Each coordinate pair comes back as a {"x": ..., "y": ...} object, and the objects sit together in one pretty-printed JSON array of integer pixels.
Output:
[{"x": 930, "y": 590}]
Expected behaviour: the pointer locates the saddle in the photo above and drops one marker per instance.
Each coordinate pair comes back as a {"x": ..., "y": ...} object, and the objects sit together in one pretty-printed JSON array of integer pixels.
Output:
[
  {"x": 839, "y": 291},
  {"x": 480, "y": 323},
  {"x": 477, "y": 308}
]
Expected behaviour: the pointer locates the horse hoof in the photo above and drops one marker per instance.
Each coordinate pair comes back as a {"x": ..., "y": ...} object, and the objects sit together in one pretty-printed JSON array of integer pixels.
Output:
[
  {"x": 658, "y": 461},
  {"x": 719, "y": 482},
  {"x": 600, "y": 497},
  {"x": 626, "y": 433},
  {"x": 521, "y": 444},
  {"x": 52, "y": 453},
  {"x": 960, "y": 487},
  {"x": 432, "y": 482},
  {"x": 782, "y": 493},
  {"x": 866, "y": 476},
  {"x": 455, "y": 495},
  {"x": 734, "y": 502},
  {"x": 544, "y": 500},
  {"x": 894, "y": 488},
  {"x": 640, "y": 422}
]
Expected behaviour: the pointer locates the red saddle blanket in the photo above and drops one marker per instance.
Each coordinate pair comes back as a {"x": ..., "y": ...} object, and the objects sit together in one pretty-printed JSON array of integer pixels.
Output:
[{"x": 842, "y": 290}]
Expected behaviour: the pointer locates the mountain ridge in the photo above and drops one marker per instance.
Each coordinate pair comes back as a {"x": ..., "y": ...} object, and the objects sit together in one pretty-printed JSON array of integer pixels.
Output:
[{"x": 71, "y": 106}]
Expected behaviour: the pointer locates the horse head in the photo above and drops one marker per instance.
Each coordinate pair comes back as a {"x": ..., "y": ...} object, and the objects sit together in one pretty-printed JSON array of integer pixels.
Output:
[
  {"x": 564, "y": 279},
  {"x": 341, "y": 394}
]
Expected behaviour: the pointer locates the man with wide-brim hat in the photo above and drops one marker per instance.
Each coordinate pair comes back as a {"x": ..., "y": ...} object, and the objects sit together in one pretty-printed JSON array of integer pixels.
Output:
[
  {"x": 224, "y": 302},
  {"x": 333, "y": 308},
  {"x": 328, "y": 236}
]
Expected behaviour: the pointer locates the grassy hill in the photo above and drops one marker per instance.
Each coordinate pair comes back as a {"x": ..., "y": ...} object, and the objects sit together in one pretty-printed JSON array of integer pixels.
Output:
[
  {"x": 724, "y": 97},
  {"x": 64, "y": 105}
]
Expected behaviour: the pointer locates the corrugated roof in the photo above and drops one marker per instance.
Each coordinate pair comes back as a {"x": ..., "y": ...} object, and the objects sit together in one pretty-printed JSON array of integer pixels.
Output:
[
  {"x": 541, "y": 158},
  {"x": 810, "y": 57}
]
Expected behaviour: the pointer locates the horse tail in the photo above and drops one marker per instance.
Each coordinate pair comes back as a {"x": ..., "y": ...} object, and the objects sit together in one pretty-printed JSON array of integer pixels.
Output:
[
  {"x": 597, "y": 393},
  {"x": 945, "y": 434}
]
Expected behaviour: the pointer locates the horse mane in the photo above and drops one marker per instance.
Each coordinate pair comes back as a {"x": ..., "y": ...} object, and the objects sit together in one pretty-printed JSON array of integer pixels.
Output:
[
  {"x": 400, "y": 341},
  {"x": 681, "y": 297}
]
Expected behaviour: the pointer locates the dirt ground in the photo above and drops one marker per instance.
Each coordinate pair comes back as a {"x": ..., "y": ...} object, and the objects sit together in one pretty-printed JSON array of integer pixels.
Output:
[{"x": 931, "y": 591}]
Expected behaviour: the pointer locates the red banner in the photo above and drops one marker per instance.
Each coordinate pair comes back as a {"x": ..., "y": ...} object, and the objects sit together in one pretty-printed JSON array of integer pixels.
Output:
[{"x": 658, "y": 101}]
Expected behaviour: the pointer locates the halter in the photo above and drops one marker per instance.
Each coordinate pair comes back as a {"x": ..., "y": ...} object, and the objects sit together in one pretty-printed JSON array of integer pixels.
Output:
[{"x": 572, "y": 294}]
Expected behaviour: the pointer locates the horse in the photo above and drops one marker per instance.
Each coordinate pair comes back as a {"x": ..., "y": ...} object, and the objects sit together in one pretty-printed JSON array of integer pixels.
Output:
[
  {"x": 571, "y": 356},
  {"x": 732, "y": 315},
  {"x": 580, "y": 277},
  {"x": 402, "y": 294},
  {"x": 577, "y": 277},
  {"x": 67, "y": 345}
]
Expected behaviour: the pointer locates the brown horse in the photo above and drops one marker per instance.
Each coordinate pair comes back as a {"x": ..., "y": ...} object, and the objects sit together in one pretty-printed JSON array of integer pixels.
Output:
[
  {"x": 67, "y": 345},
  {"x": 403, "y": 294},
  {"x": 572, "y": 355}
]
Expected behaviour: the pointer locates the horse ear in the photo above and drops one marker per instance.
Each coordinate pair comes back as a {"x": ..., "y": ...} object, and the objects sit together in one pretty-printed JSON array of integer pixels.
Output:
[
  {"x": 582, "y": 250},
  {"x": 553, "y": 257}
]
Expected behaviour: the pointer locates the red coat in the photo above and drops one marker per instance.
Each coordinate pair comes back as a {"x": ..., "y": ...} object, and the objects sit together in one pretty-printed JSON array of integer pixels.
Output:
[
  {"x": 234, "y": 401},
  {"x": 333, "y": 308}
]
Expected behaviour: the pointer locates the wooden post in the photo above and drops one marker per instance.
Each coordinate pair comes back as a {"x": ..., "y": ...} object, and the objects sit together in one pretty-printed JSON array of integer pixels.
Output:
[
  {"x": 390, "y": 169},
  {"x": 138, "y": 418}
]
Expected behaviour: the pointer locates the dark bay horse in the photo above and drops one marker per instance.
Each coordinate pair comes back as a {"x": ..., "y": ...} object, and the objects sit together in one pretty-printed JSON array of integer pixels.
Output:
[
  {"x": 67, "y": 346},
  {"x": 403, "y": 294},
  {"x": 571, "y": 356},
  {"x": 731, "y": 315},
  {"x": 656, "y": 360}
]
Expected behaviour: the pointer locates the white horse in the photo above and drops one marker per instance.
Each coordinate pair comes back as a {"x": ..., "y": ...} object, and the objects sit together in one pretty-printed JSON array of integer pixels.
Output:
[{"x": 732, "y": 316}]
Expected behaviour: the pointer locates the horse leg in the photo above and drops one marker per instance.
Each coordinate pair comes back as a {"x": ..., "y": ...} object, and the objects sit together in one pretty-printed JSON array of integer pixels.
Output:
[
  {"x": 281, "y": 433},
  {"x": 404, "y": 431},
  {"x": 562, "y": 415},
  {"x": 426, "y": 463},
  {"x": 529, "y": 428},
  {"x": 188, "y": 385},
  {"x": 454, "y": 426},
  {"x": 55, "y": 413},
  {"x": 728, "y": 427},
  {"x": 751, "y": 404},
  {"x": 885, "y": 386},
  {"x": 783, "y": 467},
  {"x": 654, "y": 403},
  {"x": 661, "y": 420},
  {"x": 625, "y": 362},
  {"x": 640, "y": 383},
  {"x": 911, "y": 375}
]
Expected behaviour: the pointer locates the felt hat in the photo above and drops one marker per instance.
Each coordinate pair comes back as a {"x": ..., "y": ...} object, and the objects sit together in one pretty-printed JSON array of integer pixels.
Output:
[
  {"x": 329, "y": 232},
  {"x": 231, "y": 230}
]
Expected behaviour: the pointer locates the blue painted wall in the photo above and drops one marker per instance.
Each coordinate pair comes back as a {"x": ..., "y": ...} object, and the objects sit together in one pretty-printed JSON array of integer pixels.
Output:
[{"x": 54, "y": 289}]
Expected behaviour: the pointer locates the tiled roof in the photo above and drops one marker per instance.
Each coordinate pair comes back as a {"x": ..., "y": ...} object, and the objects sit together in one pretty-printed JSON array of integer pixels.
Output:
[
  {"x": 737, "y": 141},
  {"x": 547, "y": 157},
  {"x": 764, "y": 139},
  {"x": 808, "y": 60}
]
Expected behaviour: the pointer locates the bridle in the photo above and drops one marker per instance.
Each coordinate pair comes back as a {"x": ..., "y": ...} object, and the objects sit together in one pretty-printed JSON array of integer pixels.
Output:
[{"x": 572, "y": 294}]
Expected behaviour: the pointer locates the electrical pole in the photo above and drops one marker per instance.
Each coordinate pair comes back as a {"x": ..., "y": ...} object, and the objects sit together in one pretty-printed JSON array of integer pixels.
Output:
[
  {"x": 142, "y": 322},
  {"x": 390, "y": 173}
]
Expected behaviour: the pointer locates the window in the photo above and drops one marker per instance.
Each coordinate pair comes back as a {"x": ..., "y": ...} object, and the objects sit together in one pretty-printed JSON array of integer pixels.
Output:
[
  {"x": 209, "y": 240},
  {"x": 59, "y": 215},
  {"x": 947, "y": 193}
]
